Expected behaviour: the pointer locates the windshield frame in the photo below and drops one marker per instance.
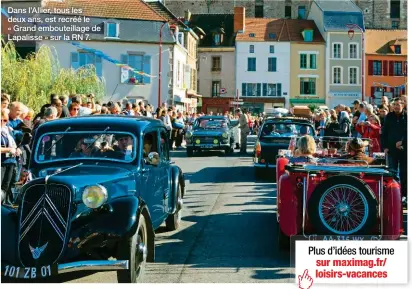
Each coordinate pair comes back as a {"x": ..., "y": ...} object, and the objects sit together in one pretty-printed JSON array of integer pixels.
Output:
[
  {"x": 198, "y": 121},
  {"x": 100, "y": 132},
  {"x": 261, "y": 136}
]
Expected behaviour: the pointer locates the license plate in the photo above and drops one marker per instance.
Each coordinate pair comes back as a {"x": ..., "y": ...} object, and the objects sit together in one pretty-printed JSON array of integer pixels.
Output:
[
  {"x": 207, "y": 146},
  {"x": 29, "y": 272}
]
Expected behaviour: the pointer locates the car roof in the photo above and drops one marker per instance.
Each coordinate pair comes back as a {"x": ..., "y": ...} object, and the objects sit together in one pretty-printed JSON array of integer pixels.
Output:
[
  {"x": 132, "y": 124},
  {"x": 296, "y": 120},
  {"x": 213, "y": 117}
]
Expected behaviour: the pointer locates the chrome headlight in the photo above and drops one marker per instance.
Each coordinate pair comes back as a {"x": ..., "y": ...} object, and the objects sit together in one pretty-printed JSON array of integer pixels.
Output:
[
  {"x": 224, "y": 135},
  {"x": 94, "y": 196},
  {"x": 189, "y": 134}
]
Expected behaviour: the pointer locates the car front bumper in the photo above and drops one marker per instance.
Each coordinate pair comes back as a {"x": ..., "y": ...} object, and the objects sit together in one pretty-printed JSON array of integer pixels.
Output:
[
  {"x": 219, "y": 146},
  {"x": 94, "y": 265},
  {"x": 258, "y": 164}
]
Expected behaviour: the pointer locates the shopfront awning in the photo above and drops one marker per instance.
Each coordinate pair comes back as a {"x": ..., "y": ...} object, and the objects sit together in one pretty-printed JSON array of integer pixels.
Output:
[
  {"x": 192, "y": 93},
  {"x": 307, "y": 101}
]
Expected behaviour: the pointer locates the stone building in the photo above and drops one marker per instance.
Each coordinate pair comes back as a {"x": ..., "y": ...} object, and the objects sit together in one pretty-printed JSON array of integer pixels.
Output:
[{"x": 379, "y": 14}]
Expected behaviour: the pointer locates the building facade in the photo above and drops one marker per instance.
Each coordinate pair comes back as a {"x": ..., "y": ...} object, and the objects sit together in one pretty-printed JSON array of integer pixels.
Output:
[
  {"x": 343, "y": 65},
  {"x": 386, "y": 62},
  {"x": 384, "y": 14},
  {"x": 131, "y": 37},
  {"x": 216, "y": 61}
]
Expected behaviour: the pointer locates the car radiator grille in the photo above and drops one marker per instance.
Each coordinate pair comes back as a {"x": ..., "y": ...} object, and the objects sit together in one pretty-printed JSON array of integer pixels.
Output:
[
  {"x": 44, "y": 221},
  {"x": 206, "y": 139}
]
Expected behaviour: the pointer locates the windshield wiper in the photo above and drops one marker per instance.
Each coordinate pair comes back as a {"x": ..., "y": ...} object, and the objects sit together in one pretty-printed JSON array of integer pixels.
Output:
[
  {"x": 92, "y": 144},
  {"x": 53, "y": 145}
]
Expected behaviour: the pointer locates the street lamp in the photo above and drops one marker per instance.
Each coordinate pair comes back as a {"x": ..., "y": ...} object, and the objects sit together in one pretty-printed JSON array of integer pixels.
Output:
[{"x": 351, "y": 34}]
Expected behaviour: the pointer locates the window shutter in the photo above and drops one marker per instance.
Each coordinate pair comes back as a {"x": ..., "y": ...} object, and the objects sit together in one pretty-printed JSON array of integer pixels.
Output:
[
  {"x": 392, "y": 90},
  {"x": 146, "y": 68},
  {"x": 391, "y": 64},
  {"x": 117, "y": 30},
  {"x": 74, "y": 59},
  {"x": 370, "y": 67},
  {"x": 405, "y": 67},
  {"x": 243, "y": 89},
  {"x": 124, "y": 73},
  {"x": 373, "y": 88},
  {"x": 265, "y": 89},
  {"x": 259, "y": 85},
  {"x": 403, "y": 89},
  {"x": 98, "y": 64},
  {"x": 385, "y": 67},
  {"x": 275, "y": 64},
  {"x": 279, "y": 89}
]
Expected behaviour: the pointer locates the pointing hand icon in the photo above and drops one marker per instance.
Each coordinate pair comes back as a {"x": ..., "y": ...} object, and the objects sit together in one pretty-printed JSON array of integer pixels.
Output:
[{"x": 305, "y": 281}]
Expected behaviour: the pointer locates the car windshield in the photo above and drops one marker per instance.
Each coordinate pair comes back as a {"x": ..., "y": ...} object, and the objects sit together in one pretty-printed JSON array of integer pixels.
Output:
[
  {"x": 211, "y": 123},
  {"x": 57, "y": 146},
  {"x": 285, "y": 130}
]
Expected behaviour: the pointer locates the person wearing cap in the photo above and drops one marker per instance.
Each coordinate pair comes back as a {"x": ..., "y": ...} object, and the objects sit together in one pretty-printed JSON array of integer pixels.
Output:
[
  {"x": 147, "y": 149},
  {"x": 244, "y": 130},
  {"x": 356, "y": 151}
]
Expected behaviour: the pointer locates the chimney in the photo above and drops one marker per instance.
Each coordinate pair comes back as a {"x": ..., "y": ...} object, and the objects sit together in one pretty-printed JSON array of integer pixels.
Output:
[
  {"x": 187, "y": 15},
  {"x": 239, "y": 22}
]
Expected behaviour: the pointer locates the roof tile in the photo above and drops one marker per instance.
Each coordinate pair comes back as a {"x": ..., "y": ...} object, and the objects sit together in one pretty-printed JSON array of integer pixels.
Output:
[{"x": 120, "y": 9}]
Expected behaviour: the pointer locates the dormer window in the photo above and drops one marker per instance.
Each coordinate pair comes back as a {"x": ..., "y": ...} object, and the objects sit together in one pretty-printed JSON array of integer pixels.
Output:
[
  {"x": 112, "y": 29},
  {"x": 308, "y": 35},
  {"x": 251, "y": 34},
  {"x": 272, "y": 35},
  {"x": 397, "y": 49},
  {"x": 217, "y": 39}
]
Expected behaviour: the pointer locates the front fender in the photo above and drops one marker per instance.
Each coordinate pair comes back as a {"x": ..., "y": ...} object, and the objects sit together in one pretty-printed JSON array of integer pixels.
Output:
[
  {"x": 110, "y": 223},
  {"x": 175, "y": 180}
]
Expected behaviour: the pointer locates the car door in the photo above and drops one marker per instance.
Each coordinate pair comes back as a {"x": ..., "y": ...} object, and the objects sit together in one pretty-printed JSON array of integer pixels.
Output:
[
  {"x": 164, "y": 166},
  {"x": 152, "y": 191}
]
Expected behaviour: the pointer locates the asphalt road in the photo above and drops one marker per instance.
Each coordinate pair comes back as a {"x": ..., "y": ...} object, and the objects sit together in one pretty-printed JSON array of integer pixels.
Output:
[{"x": 228, "y": 231}]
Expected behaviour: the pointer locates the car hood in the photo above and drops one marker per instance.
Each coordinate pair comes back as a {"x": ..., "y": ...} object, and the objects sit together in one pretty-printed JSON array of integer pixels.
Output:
[
  {"x": 117, "y": 180},
  {"x": 212, "y": 133}
]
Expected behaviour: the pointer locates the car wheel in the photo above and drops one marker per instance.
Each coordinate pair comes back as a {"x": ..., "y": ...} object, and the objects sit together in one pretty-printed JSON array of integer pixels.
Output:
[
  {"x": 189, "y": 152},
  {"x": 237, "y": 146},
  {"x": 173, "y": 221},
  {"x": 228, "y": 151},
  {"x": 343, "y": 205},
  {"x": 283, "y": 240},
  {"x": 134, "y": 249}
]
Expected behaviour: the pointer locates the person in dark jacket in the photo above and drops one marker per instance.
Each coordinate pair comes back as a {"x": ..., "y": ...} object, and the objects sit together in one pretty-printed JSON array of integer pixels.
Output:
[{"x": 393, "y": 137}]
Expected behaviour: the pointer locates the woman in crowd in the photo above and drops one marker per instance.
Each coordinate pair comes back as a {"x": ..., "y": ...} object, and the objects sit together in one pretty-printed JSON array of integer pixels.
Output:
[
  {"x": 344, "y": 124},
  {"x": 371, "y": 129},
  {"x": 74, "y": 109},
  {"x": 9, "y": 152}
]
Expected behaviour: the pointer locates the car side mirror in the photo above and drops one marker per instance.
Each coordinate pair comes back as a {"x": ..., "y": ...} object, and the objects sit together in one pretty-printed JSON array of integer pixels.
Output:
[{"x": 153, "y": 159}]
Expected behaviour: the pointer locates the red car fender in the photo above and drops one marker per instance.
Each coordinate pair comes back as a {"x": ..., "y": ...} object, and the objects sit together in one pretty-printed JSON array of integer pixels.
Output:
[
  {"x": 392, "y": 211},
  {"x": 280, "y": 168},
  {"x": 289, "y": 206}
]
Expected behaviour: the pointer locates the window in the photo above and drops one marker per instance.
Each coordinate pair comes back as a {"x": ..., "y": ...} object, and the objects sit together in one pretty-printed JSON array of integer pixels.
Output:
[
  {"x": 259, "y": 11},
  {"x": 271, "y": 49},
  {"x": 139, "y": 62},
  {"x": 178, "y": 73},
  {"x": 397, "y": 91},
  {"x": 397, "y": 49},
  {"x": 288, "y": 11},
  {"x": 251, "y": 48},
  {"x": 252, "y": 35},
  {"x": 312, "y": 64},
  {"x": 251, "y": 64},
  {"x": 216, "y": 63},
  {"x": 397, "y": 68},
  {"x": 303, "y": 61},
  {"x": 308, "y": 35},
  {"x": 353, "y": 50},
  {"x": 164, "y": 151},
  {"x": 272, "y": 35},
  {"x": 377, "y": 68},
  {"x": 301, "y": 12},
  {"x": 272, "y": 64},
  {"x": 337, "y": 50},
  {"x": 395, "y": 24},
  {"x": 112, "y": 29},
  {"x": 308, "y": 86},
  {"x": 251, "y": 89},
  {"x": 272, "y": 89},
  {"x": 395, "y": 9},
  {"x": 217, "y": 39},
  {"x": 216, "y": 88},
  {"x": 79, "y": 59},
  {"x": 353, "y": 75},
  {"x": 337, "y": 75}
]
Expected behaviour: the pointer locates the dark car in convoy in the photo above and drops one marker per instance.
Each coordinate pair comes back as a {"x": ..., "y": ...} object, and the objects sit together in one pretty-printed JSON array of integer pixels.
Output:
[
  {"x": 101, "y": 186},
  {"x": 276, "y": 134},
  {"x": 210, "y": 133}
]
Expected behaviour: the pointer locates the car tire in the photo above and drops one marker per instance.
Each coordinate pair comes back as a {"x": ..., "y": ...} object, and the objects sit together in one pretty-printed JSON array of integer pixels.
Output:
[
  {"x": 228, "y": 151},
  {"x": 134, "y": 249},
  {"x": 173, "y": 221},
  {"x": 358, "y": 191},
  {"x": 189, "y": 152},
  {"x": 283, "y": 240}
]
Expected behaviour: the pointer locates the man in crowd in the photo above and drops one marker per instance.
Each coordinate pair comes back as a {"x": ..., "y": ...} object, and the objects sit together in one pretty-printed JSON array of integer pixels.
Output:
[
  {"x": 393, "y": 137},
  {"x": 65, "y": 109},
  {"x": 244, "y": 130}
]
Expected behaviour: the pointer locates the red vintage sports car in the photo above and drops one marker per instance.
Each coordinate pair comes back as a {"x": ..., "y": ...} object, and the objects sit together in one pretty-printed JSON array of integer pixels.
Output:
[{"x": 337, "y": 197}]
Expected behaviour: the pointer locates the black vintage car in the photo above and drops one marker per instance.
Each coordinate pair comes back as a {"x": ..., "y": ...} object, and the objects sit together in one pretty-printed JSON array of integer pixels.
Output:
[
  {"x": 276, "y": 134},
  {"x": 101, "y": 187},
  {"x": 210, "y": 133}
]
